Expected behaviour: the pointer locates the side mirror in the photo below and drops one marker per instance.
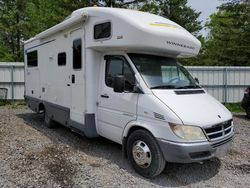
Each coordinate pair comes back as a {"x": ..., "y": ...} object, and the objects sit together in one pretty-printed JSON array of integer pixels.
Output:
[
  {"x": 119, "y": 83},
  {"x": 197, "y": 80}
]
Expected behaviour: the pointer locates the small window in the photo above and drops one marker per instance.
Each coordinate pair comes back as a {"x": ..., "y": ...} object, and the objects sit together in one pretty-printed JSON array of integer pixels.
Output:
[
  {"x": 32, "y": 59},
  {"x": 113, "y": 67},
  {"x": 61, "y": 59},
  {"x": 117, "y": 65},
  {"x": 102, "y": 31},
  {"x": 77, "y": 54}
]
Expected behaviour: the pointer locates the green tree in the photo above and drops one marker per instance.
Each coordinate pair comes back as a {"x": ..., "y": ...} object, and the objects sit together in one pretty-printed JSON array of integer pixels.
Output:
[
  {"x": 177, "y": 11},
  {"x": 12, "y": 24},
  {"x": 229, "y": 37},
  {"x": 21, "y": 19},
  {"x": 117, "y": 3},
  {"x": 43, "y": 14},
  {"x": 5, "y": 54}
]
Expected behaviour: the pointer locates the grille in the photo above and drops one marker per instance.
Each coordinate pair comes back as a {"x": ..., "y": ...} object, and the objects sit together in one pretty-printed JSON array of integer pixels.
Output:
[
  {"x": 217, "y": 144},
  {"x": 219, "y": 131}
]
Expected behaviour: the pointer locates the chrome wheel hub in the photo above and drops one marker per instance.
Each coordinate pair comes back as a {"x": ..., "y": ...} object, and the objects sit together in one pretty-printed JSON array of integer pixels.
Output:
[{"x": 142, "y": 154}]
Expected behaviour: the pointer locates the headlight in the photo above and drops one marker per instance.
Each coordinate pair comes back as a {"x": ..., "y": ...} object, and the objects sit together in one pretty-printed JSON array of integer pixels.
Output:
[{"x": 188, "y": 132}]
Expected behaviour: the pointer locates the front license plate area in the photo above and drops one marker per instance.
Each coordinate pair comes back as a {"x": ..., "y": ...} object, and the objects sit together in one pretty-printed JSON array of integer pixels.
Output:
[{"x": 223, "y": 150}]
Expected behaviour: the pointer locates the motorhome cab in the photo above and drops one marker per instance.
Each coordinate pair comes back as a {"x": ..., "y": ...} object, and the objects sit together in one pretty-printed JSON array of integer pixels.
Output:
[{"x": 113, "y": 73}]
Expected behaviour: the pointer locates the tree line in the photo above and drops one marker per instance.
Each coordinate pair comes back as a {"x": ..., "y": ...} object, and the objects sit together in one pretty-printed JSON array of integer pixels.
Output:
[{"x": 227, "y": 43}]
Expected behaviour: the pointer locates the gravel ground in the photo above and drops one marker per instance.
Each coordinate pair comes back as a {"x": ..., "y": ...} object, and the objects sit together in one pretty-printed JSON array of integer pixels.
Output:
[{"x": 32, "y": 155}]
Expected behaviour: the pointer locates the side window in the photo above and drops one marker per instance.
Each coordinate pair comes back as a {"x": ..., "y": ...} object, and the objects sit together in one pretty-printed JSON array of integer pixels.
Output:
[
  {"x": 61, "y": 59},
  {"x": 77, "y": 54},
  {"x": 32, "y": 59},
  {"x": 119, "y": 66},
  {"x": 102, "y": 31},
  {"x": 114, "y": 67}
]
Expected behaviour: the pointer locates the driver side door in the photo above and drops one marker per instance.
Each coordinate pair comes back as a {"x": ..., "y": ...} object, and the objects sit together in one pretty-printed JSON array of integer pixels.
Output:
[{"x": 115, "y": 110}]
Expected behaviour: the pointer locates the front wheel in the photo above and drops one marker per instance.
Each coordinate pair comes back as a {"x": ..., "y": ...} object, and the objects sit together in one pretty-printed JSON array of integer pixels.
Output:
[{"x": 144, "y": 154}]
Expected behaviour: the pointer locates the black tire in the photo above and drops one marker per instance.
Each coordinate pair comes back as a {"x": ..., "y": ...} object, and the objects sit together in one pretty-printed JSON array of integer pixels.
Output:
[
  {"x": 248, "y": 112},
  {"x": 48, "y": 121},
  {"x": 157, "y": 164}
]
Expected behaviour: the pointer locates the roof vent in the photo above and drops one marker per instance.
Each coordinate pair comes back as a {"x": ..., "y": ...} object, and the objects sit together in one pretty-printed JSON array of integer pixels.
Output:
[{"x": 188, "y": 92}]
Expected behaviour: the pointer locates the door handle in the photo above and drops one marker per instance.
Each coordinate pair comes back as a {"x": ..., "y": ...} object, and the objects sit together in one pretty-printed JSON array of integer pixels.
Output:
[
  {"x": 73, "y": 78},
  {"x": 105, "y": 96},
  {"x": 68, "y": 84}
]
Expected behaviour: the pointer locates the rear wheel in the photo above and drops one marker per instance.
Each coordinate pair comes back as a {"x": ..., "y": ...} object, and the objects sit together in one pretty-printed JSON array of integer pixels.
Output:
[
  {"x": 144, "y": 154},
  {"x": 48, "y": 121},
  {"x": 248, "y": 112}
]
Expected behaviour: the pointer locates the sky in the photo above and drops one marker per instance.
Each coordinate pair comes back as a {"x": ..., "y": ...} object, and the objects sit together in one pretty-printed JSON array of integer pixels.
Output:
[{"x": 206, "y": 7}]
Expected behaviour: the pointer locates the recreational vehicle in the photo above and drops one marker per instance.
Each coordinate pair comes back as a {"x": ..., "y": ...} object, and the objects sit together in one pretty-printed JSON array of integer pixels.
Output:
[{"x": 114, "y": 73}]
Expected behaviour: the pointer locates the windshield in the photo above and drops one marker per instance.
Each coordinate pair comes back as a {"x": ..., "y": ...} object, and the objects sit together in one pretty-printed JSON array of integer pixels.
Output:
[{"x": 162, "y": 72}]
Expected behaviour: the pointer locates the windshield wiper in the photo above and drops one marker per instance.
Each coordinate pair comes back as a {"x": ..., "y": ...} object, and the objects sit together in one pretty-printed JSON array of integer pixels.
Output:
[
  {"x": 163, "y": 87},
  {"x": 188, "y": 87}
]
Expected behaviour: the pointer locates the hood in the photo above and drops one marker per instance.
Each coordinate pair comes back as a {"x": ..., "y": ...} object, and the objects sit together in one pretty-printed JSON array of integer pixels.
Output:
[{"x": 194, "y": 108}]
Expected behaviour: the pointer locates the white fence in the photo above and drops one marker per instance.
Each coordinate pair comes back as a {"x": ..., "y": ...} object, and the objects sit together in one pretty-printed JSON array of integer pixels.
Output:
[
  {"x": 226, "y": 84},
  {"x": 12, "y": 78}
]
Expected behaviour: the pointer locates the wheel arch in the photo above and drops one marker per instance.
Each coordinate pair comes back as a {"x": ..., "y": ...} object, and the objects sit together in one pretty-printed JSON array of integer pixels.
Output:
[
  {"x": 130, "y": 128},
  {"x": 133, "y": 126},
  {"x": 156, "y": 166},
  {"x": 41, "y": 107}
]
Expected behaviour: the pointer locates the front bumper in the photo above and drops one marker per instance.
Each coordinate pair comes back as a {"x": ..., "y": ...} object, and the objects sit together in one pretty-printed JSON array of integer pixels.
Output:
[{"x": 194, "y": 152}]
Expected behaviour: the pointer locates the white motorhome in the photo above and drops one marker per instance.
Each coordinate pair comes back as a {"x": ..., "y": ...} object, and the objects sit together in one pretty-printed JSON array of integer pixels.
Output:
[{"x": 113, "y": 73}]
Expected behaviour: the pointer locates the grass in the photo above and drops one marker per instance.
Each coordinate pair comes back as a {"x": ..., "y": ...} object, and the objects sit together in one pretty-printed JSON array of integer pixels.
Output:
[
  {"x": 10, "y": 104},
  {"x": 235, "y": 107},
  {"x": 4, "y": 103}
]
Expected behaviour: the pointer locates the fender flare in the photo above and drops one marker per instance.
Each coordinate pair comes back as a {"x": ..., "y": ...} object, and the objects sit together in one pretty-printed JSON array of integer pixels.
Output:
[{"x": 132, "y": 124}]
